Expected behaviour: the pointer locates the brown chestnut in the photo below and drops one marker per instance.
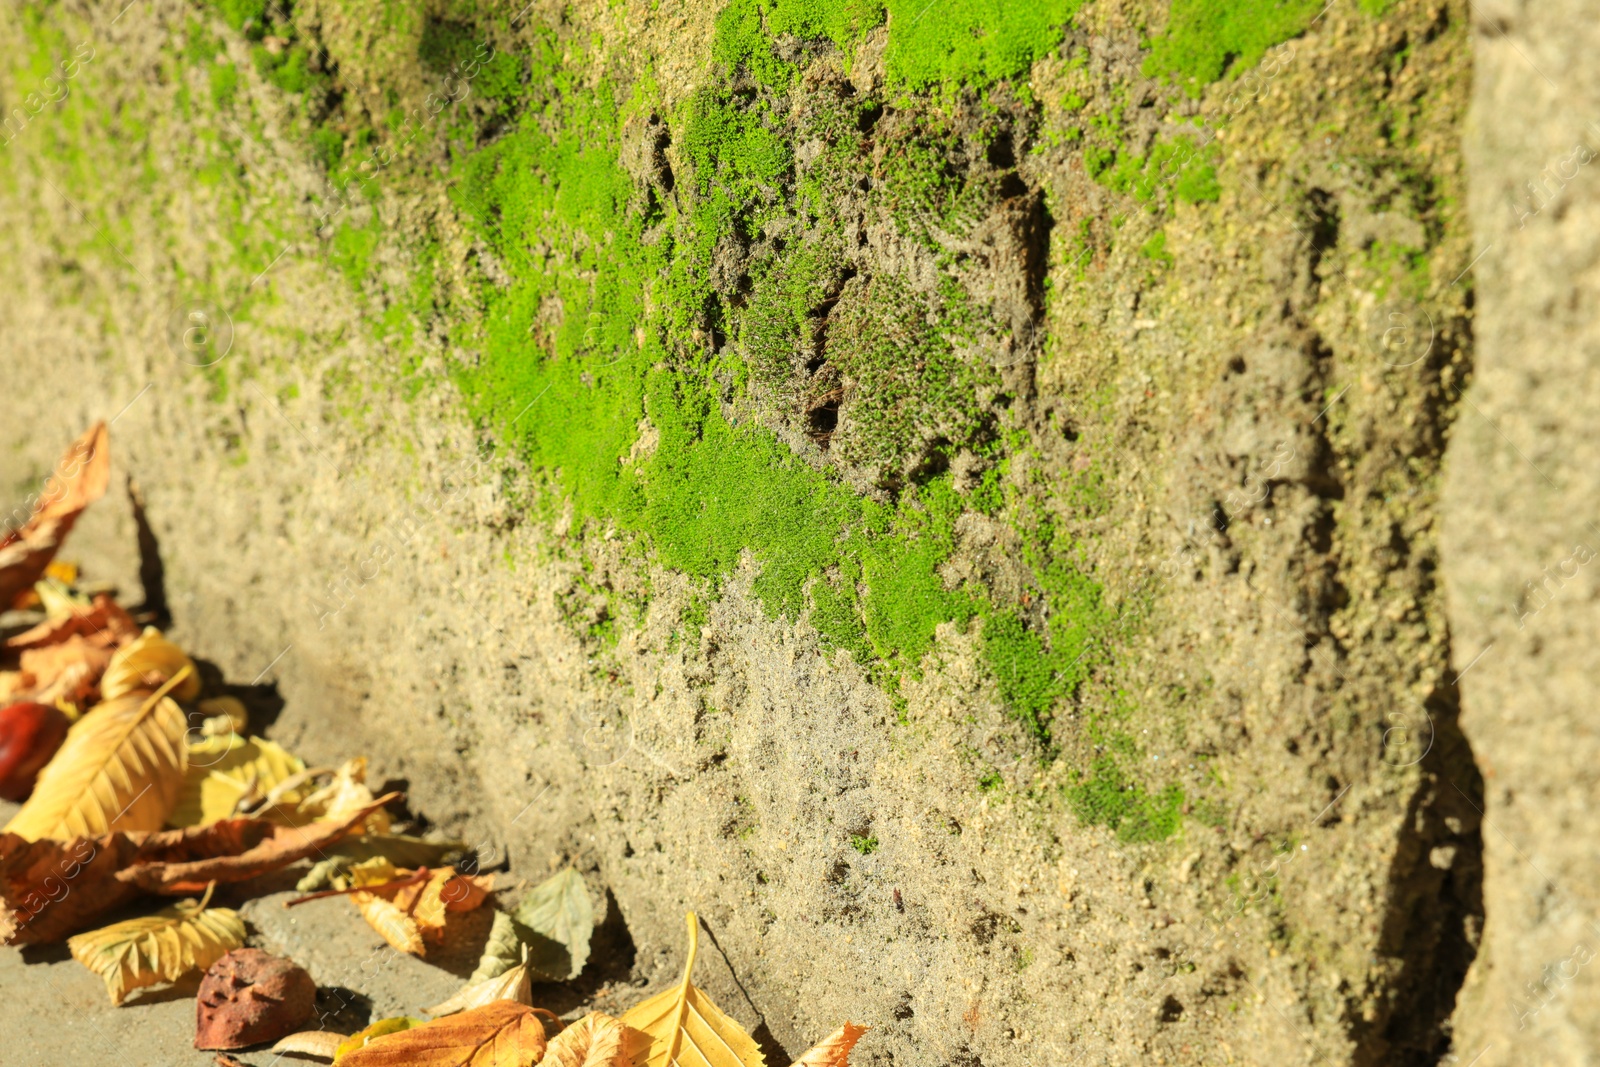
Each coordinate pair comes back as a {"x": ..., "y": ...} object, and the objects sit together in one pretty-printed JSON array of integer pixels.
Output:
[{"x": 29, "y": 735}]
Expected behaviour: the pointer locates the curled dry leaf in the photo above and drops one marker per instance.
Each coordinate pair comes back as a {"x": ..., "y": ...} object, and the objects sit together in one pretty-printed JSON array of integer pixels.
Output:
[
  {"x": 68, "y": 671},
  {"x": 319, "y": 1044},
  {"x": 347, "y": 792},
  {"x": 502, "y": 951},
  {"x": 558, "y": 909},
  {"x": 331, "y": 873},
  {"x": 834, "y": 1051},
  {"x": 513, "y": 985},
  {"x": 423, "y": 899},
  {"x": 120, "y": 769},
  {"x": 596, "y": 1040},
  {"x": 399, "y": 849},
  {"x": 158, "y": 948},
  {"x": 103, "y": 622},
  {"x": 501, "y": 1034},
  {"x": 376, "y": 871},
  {"x": 249, "y": 997},
  {"x": 392, "y": 924},
  {"x": 147, "y": 663},
  {"x": 54, "y": 593},
  {"x": 49, "y": 889},
  {"x": 29, "y": 735},
  {"x": 243, "y": 848},
  {"x": 684, "y": 1026},
  {"x": 79, "y": 480}
]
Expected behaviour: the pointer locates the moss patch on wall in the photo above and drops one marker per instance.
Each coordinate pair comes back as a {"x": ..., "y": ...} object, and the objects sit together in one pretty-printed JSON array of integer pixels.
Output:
[{"x": 641, "y": 336}]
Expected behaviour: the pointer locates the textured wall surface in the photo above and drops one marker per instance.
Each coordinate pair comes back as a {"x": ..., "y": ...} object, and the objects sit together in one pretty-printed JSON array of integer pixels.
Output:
[
  {"x": 1522, "y": 496},
  {"x": 953, "y": 500}
]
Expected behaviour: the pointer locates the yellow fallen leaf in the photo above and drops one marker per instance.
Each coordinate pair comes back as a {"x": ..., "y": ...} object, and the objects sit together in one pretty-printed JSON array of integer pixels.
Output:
[
  {"x": 158, "y": 948},
  {"x": 596, "y": 1040},
  {"x": 321, "y": 1044},
  {"x": 513, "y": 985},
  {"x": 834, "y": 1051},
  {"x": 686, "y": 1029},
  {"x": 224, "y": 770},
  {"x": 150, "y": 661},
  {"x": 501, "y": 1034},
  {"x": 120, "y": 768},
  {"x": 395, "y": 926},
  {"x": 375, "y": 871},
  {"x": 381, "y": 1028}
]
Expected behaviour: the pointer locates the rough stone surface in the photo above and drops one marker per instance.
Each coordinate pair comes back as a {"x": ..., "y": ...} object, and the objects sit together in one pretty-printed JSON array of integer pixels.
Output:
[
  {"x": 1520, "y": 535},
  {"x": 1264, "y": 519}
]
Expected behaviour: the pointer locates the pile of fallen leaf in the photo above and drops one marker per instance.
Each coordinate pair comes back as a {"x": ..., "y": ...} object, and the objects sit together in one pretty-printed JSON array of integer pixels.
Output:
[{"x": 135, "y": 785}]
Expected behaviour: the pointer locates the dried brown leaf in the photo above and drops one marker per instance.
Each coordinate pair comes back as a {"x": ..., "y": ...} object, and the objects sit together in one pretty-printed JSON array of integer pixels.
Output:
[
  {"x": 347, "y": 792},
  {"x": 68, "y": 670},
  {"x": 79, "y": 480},
  {"x": 49, "y": 889},
  {"x": 428, "y": 901},
  {"x": 103, "y": 622},
  {"x": 236, "y": 849}
]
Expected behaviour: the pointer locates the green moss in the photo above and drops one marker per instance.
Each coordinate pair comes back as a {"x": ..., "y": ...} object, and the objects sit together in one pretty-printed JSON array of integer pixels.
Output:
[
  {"x": 601, "y": 331},
  {"x": 733, "y": 146},
  {"x": 1396, "y": 269},
  {"x": 864, "y": 844},
  {"x": 242, "y": 14},
  {"x": 844, "y": 22},
  {"x": 224, "y": 83},
  {"x": 289, "y": 68},
  {"x": 327, "y": 147},
  {"x": 1107, "y": 797},
  {"x": 1205, "y": 39},
  {"x": 1176, "y": 169},
  {"x": 971, "y": 43},
  {"x": 1155, "y": 249},
  {"x": 352, "y": 247}
]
